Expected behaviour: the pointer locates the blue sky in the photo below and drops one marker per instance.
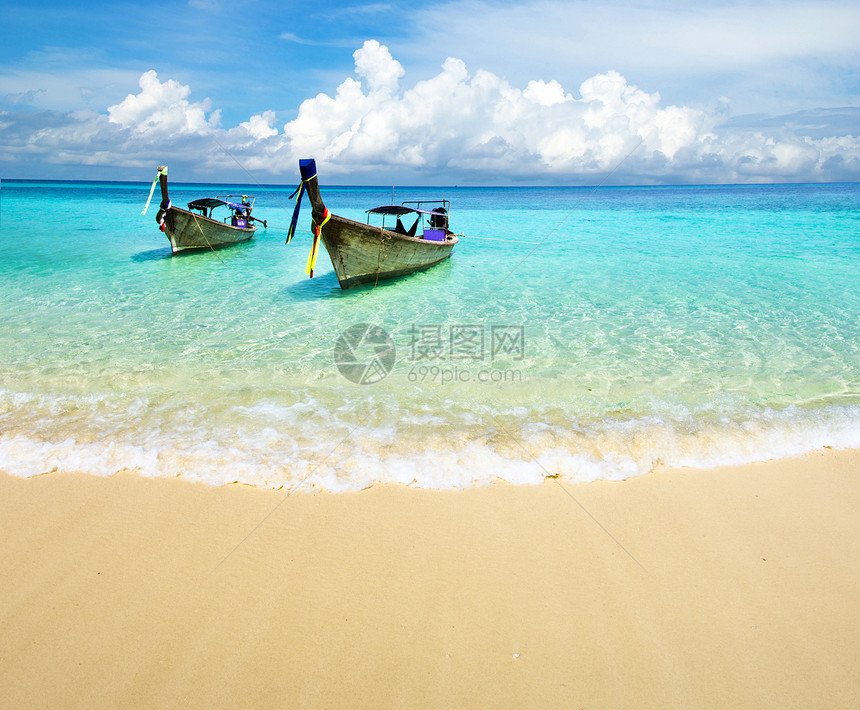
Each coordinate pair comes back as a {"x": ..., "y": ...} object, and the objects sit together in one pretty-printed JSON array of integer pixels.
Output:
[{"x": 461, "y": 92}]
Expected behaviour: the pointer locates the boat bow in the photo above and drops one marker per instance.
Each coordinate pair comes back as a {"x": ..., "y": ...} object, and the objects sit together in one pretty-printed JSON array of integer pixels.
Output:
[
  {"x": 195, "y": 228},
  {"x": 361, "y": 253}
]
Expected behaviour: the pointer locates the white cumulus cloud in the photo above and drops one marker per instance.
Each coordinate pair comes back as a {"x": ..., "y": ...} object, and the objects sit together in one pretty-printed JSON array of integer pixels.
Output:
[
  {"x": 457, "y": 125},
  {"x": 374, "y": 63},
  {"x": 480, "y": 122},
  {"x": 163, "y": 108},
  {"x": 260, "y": 127}
]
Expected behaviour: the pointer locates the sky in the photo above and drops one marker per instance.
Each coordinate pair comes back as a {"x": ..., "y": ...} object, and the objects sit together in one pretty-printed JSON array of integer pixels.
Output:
[{"x": 466, "y": 92}]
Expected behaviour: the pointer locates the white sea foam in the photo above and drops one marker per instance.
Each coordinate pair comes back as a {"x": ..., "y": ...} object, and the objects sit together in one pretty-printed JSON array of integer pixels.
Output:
[{"x": 308, "y": 445}]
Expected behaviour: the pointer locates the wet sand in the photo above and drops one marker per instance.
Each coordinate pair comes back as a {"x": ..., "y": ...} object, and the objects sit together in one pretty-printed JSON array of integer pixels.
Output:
[{"x": 730, "y": 587}]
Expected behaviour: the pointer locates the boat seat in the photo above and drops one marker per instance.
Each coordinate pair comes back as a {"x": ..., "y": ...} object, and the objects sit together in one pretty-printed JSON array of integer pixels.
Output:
[{"x": 439, "y": 219}]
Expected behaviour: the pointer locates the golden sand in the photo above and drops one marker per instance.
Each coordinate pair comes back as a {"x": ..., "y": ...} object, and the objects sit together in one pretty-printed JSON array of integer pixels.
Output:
[{"x": 732, "y": 587}]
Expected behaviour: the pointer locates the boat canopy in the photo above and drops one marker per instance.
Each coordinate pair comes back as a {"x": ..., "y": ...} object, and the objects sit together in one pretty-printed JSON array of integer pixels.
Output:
[
  {"x": 400, "y": 210},
  {"x": 430, "y": 218},
  {"x": 212, "y": 202},
  {"x": 391, "y": 209}
]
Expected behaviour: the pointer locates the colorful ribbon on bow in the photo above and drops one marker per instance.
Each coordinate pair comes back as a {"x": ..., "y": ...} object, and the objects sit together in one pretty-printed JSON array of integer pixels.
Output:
[
  {"x": 161, "y": 170},
  {"x": 315, "y": 246},
  {"x": 300, "y": 190}
]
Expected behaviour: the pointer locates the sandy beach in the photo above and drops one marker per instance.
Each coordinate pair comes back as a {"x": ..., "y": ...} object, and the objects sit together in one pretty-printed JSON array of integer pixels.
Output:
[{"x": 731, "y": 587}]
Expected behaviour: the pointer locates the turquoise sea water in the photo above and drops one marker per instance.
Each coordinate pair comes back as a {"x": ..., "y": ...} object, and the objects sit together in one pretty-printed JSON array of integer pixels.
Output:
[{"x": 638, "y": 326}]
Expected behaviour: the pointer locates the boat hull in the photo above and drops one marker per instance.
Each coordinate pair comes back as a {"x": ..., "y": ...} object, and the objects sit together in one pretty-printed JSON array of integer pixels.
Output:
[
  {"x": 188, "y": 231},
  {"x": 364, "y": 254}
]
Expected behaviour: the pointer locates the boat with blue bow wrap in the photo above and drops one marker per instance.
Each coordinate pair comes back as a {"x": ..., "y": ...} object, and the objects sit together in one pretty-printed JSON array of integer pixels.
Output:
[{"x": 363, "y": 253}]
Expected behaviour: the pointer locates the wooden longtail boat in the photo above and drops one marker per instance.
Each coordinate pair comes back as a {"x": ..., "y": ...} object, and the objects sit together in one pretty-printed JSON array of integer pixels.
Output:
[
  {"x": 200, "y": 226},
  {"x": 362, "y": 253}
]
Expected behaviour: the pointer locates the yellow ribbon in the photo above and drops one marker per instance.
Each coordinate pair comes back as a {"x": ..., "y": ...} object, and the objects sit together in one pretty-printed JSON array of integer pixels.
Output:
[
  {"x": 317, "y": 230},
  {"x": 161, "y": 171}
]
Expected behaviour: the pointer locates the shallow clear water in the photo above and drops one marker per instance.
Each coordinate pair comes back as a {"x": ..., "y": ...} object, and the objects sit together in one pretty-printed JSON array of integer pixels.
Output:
[{"x": 691, "y": 325}]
